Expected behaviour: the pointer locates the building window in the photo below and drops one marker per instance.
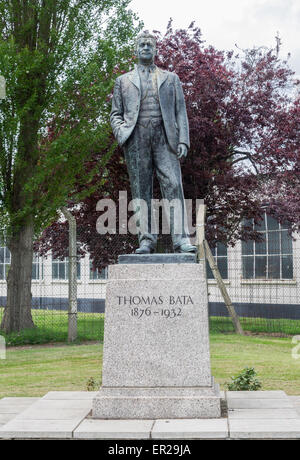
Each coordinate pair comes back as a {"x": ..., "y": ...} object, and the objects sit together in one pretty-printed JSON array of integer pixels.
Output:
[
  {"x": 60, "y": 269},
  {"x": 4, "y": 262},
  {"x": 220, "y": 255},
  {"x": 96, "y": 275},
  {"x": 37, "y": 268},
  {"x": 271, "y": 258}
]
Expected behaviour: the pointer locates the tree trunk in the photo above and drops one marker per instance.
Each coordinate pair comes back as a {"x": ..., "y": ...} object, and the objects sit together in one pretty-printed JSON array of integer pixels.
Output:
[{"x": 17, "y": 314}]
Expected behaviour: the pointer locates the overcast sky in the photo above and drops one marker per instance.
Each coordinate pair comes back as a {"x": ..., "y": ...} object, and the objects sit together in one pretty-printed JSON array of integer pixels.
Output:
[{"x": 225, "y": 23}]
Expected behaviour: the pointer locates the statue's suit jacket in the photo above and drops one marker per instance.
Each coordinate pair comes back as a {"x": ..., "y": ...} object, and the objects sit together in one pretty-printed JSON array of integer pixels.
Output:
[{"x": 126, "y": 106}]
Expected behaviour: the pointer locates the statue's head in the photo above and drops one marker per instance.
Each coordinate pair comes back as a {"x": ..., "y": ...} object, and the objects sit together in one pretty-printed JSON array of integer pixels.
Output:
[{"x": 146, "y": 47}]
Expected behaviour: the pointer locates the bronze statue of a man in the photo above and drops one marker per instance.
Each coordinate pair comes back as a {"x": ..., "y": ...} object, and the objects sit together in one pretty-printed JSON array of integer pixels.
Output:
[{"x": 149, "y": 120}]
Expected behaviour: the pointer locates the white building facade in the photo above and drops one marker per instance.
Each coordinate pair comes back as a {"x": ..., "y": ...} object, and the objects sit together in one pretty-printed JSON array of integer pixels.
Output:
[{"x": 262, "y": 278}]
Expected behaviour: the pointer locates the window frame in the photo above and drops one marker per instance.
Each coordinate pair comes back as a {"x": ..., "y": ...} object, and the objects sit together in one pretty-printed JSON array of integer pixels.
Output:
[
  {"x": 64, "y": 262},
  {"x": 98, "y": 277},
  {"x": 5, "y": 264},
  {"x": 37, "y": 262},
  {"x": 282, "y": 228},
  {"x": 217, "y": 257}
]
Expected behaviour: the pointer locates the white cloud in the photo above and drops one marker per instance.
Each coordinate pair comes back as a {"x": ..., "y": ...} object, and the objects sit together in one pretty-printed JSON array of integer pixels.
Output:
[{"x": 225, "y": 23}]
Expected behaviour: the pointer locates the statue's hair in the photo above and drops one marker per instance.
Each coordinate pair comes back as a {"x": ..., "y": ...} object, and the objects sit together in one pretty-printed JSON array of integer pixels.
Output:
[{"x": 145, "y": 34}]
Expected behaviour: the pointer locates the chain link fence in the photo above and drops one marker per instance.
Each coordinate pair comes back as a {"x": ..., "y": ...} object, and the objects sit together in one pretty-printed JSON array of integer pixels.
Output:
[{"x": 262, "y": 280}]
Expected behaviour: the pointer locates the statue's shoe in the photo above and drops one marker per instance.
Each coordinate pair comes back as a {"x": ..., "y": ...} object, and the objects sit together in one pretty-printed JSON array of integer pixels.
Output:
[
  {"x": 186, "y": 248},
  {"x": 145, "y": 248}
]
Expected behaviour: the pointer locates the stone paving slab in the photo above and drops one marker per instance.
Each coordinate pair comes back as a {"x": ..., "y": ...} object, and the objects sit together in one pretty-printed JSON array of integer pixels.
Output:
[
  {"x": 251, "y": 415},
  {"x": 296, "y": 403},
  {"x": 262, "y": 414},
  {"x": 295, "y": 400},
  {"x": 45, "y": 404},
  {"x": 14, "y": 406},
  {"x": 267, "y": 403},
  {"x": 264, "y": 429},
  {"x": 256, "y": 394},
  {"x": 190, "y": 429},
  {"x": 5, "y": 418},
  {"x": 53, "y": 414},
  {"x": 16, "y": 401},
  {"x": 114, "y": 429},
  {"x": 70, "y": 395},
  {"x": 38, "y": 429},
  {"x": 11, "y": 407},
  {"x": 59, "y": 418}
]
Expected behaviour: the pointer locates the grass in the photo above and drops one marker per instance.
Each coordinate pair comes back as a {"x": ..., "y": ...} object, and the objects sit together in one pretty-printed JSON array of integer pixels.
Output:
[
  {"x": 33, "y": 371},
  {"x": 52, "y": 326},
  {"x": 270, "y": 356},
  {"x": 257, "y": 325}
]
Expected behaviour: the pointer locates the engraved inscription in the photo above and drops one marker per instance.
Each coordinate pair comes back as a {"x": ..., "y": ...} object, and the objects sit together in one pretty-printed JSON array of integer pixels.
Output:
[
  {"x": 146, "y": 306},
  {"x": 163, "y": 312},
  {"x": 151, "y": 300}
]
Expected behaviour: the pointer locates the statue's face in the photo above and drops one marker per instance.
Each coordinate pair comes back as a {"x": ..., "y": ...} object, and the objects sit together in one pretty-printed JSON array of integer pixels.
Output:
[{"x": 146, "y": 50}]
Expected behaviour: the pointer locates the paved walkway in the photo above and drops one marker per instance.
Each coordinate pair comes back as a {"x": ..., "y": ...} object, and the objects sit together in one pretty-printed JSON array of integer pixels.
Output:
[{"x": 66, "y": 415}]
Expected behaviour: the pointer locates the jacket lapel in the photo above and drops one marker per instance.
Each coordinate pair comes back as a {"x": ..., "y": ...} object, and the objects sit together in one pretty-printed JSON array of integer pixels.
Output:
[
  {"x": 161, "y": 77},
  {"x": 135, "y": 78}
]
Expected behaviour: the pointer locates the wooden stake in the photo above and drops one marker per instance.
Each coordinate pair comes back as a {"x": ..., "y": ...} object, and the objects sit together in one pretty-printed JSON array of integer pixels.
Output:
[{"x": 214, "y": 268}]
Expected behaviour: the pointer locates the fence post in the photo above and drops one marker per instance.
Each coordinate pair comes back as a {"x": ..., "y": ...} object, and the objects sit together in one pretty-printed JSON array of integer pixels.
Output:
[
  {"x": 2, "y": 87},
  {"x": 200, "y": 235},
  {"x": 72, "y": 311},
  {"x": 2, "y": 347}
]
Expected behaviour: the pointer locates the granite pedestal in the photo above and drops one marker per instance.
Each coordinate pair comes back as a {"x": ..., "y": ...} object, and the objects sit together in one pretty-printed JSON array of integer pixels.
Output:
[{"x": 156, "y": 361}]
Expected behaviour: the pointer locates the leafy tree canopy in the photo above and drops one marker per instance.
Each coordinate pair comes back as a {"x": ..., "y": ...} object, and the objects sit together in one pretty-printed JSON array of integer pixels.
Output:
[
  {"x": 58, "y": 59},
  {"x": 245, "y": 137}
]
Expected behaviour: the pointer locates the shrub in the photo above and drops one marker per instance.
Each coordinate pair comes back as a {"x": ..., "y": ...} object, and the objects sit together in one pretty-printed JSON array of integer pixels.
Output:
[
  {"x": 245, "y": 381},
  {"x": 92, "y": 384}
]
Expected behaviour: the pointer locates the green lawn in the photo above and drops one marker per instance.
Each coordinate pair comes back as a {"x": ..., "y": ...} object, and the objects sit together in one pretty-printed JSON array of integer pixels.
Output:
[
  {"x": 257, "y": 325},
  {"x": 33, "y": 371},
  {"x": 52, "y": 326},
  {"x": 270, "y": 356}
]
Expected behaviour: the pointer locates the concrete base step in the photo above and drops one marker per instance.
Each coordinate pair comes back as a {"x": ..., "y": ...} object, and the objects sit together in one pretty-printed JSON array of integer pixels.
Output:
[{"x": 67, "y": 415}]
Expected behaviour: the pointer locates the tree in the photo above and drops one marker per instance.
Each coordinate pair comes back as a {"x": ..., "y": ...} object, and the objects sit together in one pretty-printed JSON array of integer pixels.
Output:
[
  {"x": 243, "y": 120},
  {"x": 103, "y": 249},
  {"x": 244, "y": 129},
  {"x": 58, "y": 58}
]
